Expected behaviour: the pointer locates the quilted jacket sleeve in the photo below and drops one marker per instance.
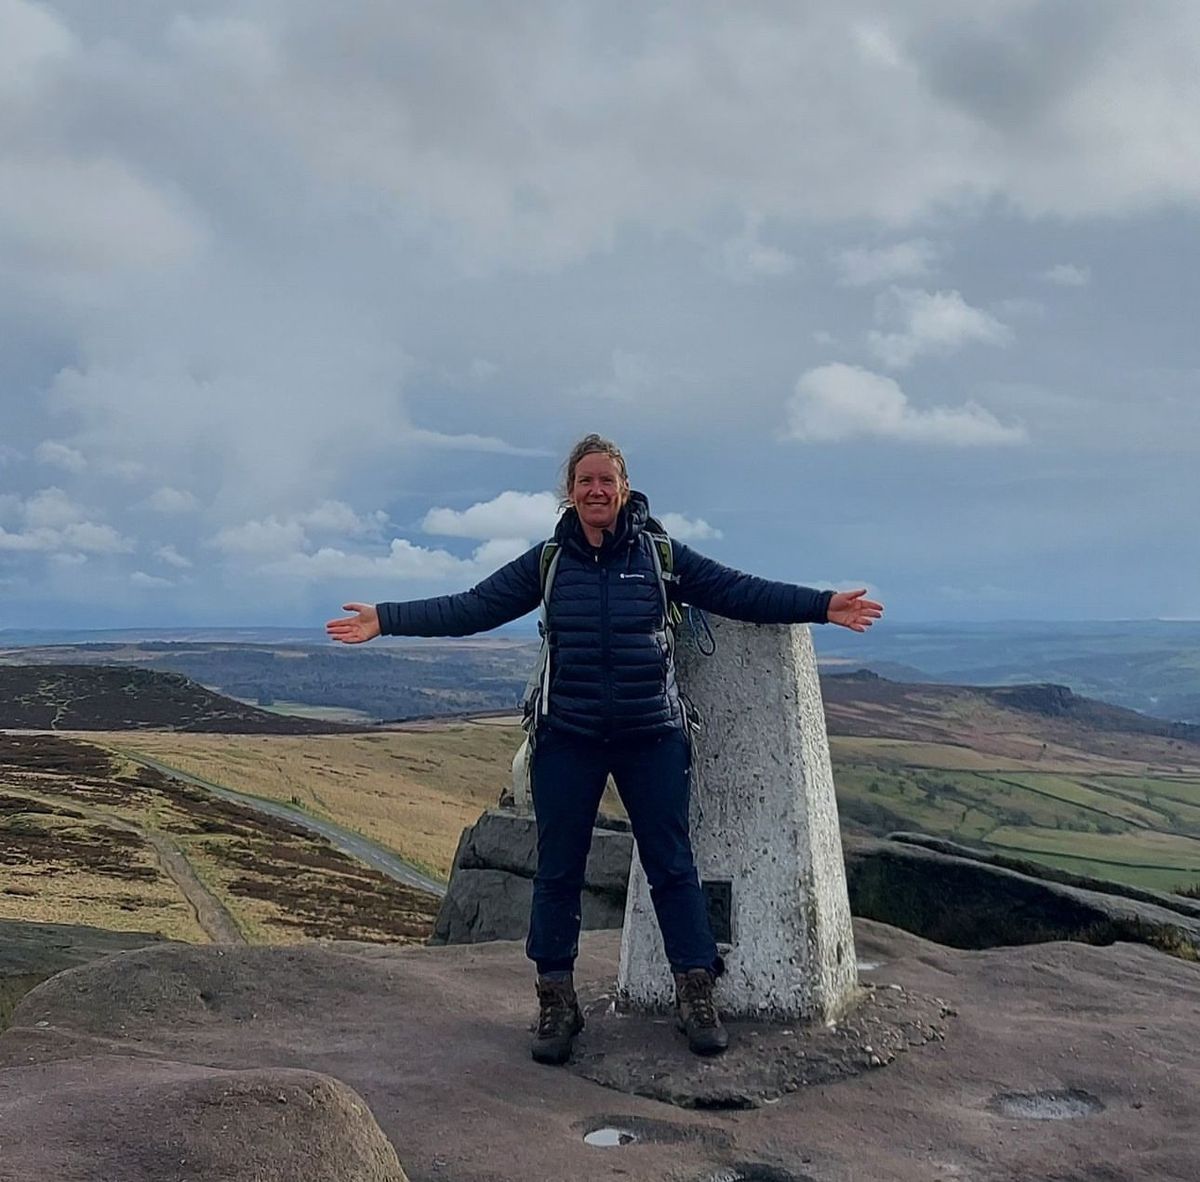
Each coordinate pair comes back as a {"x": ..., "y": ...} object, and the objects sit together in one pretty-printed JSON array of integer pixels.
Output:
[
  {"x": 719, "y": 589},
  {"x": 504, "y": 596}
]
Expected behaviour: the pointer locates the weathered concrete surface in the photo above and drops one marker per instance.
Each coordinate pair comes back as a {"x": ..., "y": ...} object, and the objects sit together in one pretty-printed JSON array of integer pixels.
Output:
[
  {"x": 31, "y": 952},
  {"x": 971, "y": 904},
  {"x": 491, "y": 883},
  {"x": 640, "y": 1053},
  {"x": 435, "y": 1041},
  {"x": 763, "y": 818}
]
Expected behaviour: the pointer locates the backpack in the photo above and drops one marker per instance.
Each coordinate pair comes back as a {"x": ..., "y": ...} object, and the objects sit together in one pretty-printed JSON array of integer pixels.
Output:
[{"x": 662, "y": 554}]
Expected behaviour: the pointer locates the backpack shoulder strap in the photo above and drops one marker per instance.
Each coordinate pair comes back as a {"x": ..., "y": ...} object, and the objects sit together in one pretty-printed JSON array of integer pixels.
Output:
[
  {"x": 537, "y": 689},
  {"x": 550, "y": 550},
  {"x": 662, "y": 554}
]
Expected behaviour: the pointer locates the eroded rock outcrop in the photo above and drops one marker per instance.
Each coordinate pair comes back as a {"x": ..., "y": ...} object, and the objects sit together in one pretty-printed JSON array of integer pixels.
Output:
[
  {"x": 148, "y": 1121},
  {"x": 491, "y": 883},
  {"x": 32, "y": 952},
  {"x": 958, "y": 900},
  {"x": 1060, "y": 1061},
  {"x": 934, "y": 888}
]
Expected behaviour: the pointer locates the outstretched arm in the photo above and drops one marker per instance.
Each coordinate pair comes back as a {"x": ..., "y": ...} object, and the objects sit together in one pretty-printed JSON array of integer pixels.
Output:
[
  {"x": 506, "y": 595},
  {"x": 713, "y": 587}
]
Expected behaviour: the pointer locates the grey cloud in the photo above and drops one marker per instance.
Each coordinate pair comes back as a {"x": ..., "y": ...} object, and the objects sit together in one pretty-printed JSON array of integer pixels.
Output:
[
  {"x": 58, "y": 455},
  {"x": 862, "y": 266},
  {"x": 1067, "y": 275},
  {"x": 249, "y": 252}
]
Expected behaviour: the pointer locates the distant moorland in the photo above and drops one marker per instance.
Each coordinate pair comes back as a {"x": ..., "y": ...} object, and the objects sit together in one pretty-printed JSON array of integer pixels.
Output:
[
  {"x": 1034, "y": 770},
  {"x": 1152, "y": 666},
  {"x": 89, "y": 837},
  {"x": 328, "y": 682},
  {"x": 1147, "y": 665}
]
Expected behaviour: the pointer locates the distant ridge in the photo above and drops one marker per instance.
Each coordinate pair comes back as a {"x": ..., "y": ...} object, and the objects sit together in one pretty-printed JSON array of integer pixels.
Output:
[
  {"x": 917, "y": 706},
  {"x": 103, "y": 697}
]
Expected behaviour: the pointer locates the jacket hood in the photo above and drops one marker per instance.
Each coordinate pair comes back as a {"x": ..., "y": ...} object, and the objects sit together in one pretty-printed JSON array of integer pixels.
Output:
[{"x": 630, "y": 523}]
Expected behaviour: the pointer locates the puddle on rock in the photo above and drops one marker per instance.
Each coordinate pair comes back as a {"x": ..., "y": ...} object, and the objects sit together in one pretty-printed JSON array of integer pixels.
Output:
[
  {"x": 1071, "y": 1104},
  {"x": 609, "y": 1137},
  {"x": 612, "y": 1129},
  {"x": 869, "y": 966}
]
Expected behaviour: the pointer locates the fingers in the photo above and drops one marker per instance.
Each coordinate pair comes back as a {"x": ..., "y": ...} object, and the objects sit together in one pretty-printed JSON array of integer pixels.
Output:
[
  {"x": 348, "y": 630},
  {"x": 355, "y": 607}
]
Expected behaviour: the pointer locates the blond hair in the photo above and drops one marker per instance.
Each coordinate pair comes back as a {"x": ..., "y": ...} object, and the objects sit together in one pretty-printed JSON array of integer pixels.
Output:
[{"x": 590, "y": 445}]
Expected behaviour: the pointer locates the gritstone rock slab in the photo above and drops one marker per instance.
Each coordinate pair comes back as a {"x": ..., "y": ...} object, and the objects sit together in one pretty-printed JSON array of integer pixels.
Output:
[{"x": 435, "y": 1042}]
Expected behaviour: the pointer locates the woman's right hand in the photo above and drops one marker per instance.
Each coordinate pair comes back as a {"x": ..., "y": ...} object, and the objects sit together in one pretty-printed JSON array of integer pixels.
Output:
[{"x": 357, "y": 628}]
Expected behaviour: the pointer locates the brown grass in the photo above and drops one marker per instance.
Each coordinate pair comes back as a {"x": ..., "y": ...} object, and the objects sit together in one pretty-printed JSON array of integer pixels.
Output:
[{"x": 413, "y": 792}]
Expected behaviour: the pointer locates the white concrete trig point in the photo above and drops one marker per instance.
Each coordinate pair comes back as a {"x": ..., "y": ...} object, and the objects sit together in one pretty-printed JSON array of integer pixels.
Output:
[{"x": 764, "y": 828}]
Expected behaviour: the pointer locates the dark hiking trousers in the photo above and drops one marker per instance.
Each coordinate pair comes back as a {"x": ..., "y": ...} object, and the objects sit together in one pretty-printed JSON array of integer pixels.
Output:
[{"x": 652, "y": 775}]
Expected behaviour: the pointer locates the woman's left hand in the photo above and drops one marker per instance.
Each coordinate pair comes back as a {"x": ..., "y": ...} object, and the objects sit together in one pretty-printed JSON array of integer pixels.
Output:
[{"x": 852, "y": 611}]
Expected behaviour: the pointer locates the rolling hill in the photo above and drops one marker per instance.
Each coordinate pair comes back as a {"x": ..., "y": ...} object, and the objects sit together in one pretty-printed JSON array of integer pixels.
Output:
[{"x": 99, "y": 697}]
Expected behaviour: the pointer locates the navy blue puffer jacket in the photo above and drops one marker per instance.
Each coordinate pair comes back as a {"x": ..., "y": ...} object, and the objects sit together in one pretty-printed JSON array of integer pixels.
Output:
[{"x": 610, "y": 668}]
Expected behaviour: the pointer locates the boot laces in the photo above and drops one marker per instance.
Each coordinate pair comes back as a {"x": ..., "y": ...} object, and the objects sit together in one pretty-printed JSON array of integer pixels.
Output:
[
  {"x": 697, "y": 993},
  {"x": 557, "y": 1010}
]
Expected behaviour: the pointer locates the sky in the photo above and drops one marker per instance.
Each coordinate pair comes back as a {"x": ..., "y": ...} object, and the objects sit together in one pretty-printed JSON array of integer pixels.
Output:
[{"x": 305, "y": 302}]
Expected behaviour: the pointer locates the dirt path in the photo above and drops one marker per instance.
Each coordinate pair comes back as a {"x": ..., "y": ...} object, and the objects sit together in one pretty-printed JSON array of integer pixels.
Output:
[
  {"x": 211, "y": 913},
  {"x": 359, "y": 847}
]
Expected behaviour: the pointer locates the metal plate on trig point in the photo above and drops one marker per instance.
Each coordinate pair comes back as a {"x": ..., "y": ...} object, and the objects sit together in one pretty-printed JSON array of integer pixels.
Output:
[{"x": 718, "y": 899}]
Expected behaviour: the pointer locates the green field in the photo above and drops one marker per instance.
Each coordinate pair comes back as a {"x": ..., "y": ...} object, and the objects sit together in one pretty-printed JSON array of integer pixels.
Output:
[{"x": 1126, "y": 826}]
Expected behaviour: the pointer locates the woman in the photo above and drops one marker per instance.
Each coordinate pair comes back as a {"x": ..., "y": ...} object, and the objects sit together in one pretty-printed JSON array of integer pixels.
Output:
[{"x": 612, "y": 707}]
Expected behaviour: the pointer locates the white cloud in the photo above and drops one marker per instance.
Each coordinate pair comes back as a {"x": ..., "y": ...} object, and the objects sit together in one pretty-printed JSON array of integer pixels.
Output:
[
  {"x": 688, "y": 529},
  {"x": 1067, "y": 275},
  {"x": 51, "y": 508},
  {"x": 509, "y": 515},
  {"x": 33, "y": 40},
  {"x": 228, "y": 45},
  {"x": 68, "y": 216},
  {"x": 170, "y": 500},
  {"x": 127, "y": 470},
  {"x": 266, "y": 540},
  {"x": 54, "y": 523},
  {"x": 139, "y": 578},
  {"x": 403, "y": 561},
  {"x": 745, "y": 258},
  {"x": 172, "y": 557},
  {"x": 40, "y": 539},
  {"x": 630, "y": 380},
  {"x": 336, "y": 517},
  {"x": 92, "y": 538},
  {"x": 497, "y": 551},
  {"x": 861, "y": 266},
  {"x": 470, "y": 442},
  {"x": 839, "y": 402},
  {"x": 937, "y": 323},
  {"x": 59, "y": 455}
]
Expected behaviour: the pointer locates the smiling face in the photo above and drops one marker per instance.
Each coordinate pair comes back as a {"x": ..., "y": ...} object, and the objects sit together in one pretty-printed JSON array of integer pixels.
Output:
[{"x": 598, "y": 490}]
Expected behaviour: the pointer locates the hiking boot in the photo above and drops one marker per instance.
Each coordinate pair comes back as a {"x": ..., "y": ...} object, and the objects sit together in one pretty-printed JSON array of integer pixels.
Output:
[
  {"x": 696, "y": 1012},
  {"x": 559, "y": 1021}
]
